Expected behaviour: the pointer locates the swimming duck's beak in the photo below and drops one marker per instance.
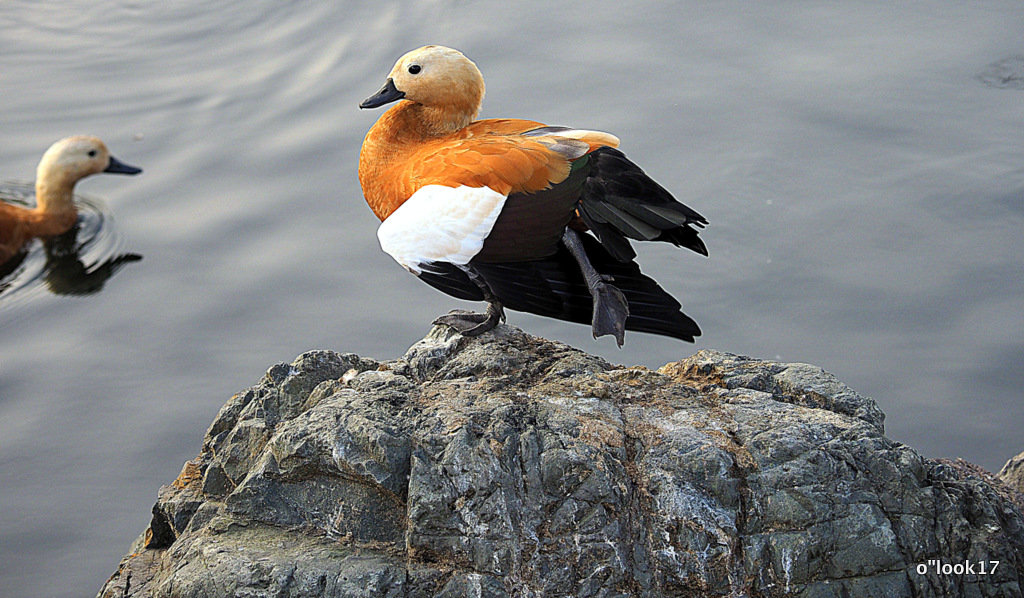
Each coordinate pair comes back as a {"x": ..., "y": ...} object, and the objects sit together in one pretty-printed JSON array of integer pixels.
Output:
[
  {"x": 118, "y": 167},
  {"x": 388, "y": 93}
]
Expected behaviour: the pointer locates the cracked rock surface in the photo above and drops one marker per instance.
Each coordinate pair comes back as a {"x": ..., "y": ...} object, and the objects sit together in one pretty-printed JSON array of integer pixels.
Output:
[
  {"x": 509, "y": 465},
  {"x": 1013, "y": 473}
]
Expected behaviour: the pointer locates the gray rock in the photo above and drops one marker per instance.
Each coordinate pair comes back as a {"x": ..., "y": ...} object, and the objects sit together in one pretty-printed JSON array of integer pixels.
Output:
[
  {"x": 1012, "y": 474},
  {"x": 508, "y": 465}
]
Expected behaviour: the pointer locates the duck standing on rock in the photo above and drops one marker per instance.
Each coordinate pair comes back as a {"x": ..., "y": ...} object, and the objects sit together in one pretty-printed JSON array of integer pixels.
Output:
[
  {"x": 499, "y": 210},
  {"x": 64, "y": 164}
]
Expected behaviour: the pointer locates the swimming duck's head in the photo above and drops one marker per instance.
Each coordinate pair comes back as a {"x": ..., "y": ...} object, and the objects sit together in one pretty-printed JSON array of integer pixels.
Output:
[
  {"x": 434, "y": 76},
  {"x": 75, "y": 158}
]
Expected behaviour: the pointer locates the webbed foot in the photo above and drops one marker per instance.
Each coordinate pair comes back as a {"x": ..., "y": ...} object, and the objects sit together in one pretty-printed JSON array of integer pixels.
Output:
[
  {"x": 610, "y": 311},
  {"x": 469, "y": 323}
]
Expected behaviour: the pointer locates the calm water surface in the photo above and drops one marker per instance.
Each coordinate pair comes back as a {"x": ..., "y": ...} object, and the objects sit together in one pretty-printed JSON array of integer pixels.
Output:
[{"x": 865, "y": 189}]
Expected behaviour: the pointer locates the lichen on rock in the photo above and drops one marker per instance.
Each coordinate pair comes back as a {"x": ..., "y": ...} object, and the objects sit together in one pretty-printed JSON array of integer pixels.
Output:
[{"x": 509, "y": 465}]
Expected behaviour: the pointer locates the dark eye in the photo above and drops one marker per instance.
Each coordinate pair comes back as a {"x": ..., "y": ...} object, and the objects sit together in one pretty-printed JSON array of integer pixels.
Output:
[
  {"x": 414, "y": 68},
  {"x": 92, "y": 153}
]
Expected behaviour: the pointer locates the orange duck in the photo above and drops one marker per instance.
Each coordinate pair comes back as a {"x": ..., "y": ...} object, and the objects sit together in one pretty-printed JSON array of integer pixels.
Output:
[
  {"x": 516, "y": 213},
  {"x": 64, "y": 164}
]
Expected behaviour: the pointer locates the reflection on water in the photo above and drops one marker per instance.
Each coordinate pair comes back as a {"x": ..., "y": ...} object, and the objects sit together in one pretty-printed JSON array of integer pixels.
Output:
[
  {"x": 10, "y": 270},
  {"x": 77, "y": 262},
  {"x": 66, "y": 274}
]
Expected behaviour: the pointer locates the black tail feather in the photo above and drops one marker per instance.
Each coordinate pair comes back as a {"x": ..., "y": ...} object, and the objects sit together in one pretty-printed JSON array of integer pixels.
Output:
[
  {"x": 449, "y": 279},
  {"x": 554, "y": 287},
  {"x": 684, "y": 237},
  {"x": 620, "y": 201}
]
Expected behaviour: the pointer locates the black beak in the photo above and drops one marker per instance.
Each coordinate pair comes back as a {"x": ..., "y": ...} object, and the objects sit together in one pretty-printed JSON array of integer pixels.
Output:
[
  {"x": 118, "y": 167},
  {"x": 388, "y": 93}
]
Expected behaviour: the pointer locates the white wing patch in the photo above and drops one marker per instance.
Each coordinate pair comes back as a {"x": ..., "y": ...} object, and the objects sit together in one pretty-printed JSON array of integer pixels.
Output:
[{"x": 440, "y": 224}]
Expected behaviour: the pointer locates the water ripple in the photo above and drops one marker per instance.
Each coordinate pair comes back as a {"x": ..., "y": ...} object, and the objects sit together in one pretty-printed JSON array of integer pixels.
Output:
[
  {"x": 78, "y": 262},
  {"x": 1007, "y": 73}
]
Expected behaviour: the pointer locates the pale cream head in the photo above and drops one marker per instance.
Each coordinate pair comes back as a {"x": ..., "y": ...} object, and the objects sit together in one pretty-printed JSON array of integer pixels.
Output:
[
  {"x": 439, "y": 76},
  {"x": 72, "y": 159},
  {"x": 67, "y": 162}
]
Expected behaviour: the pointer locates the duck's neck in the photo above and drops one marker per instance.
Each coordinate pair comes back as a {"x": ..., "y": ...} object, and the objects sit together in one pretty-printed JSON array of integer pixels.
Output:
[
  {"x": 432, "y": 121},
  {"x": 54, "y": 196},
  {"x": 55, "y": 200},
  {"x": 409, "y": 122}
]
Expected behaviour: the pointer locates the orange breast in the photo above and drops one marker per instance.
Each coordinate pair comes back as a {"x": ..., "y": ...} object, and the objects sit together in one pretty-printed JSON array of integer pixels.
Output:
[
  {"x": 395, "y": 163},
  {"x": 19, "y": 224},
  {"x": 13, "y": 230}
]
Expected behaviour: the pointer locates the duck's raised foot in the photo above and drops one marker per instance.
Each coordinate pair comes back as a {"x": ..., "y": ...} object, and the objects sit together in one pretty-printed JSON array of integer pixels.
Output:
[
  {"x": 469, "y": 323},
  {"x": 610, "y": 311}
]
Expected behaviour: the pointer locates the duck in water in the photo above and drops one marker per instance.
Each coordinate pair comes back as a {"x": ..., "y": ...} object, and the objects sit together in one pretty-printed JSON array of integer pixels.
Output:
[{"x": 64, "y": 164}]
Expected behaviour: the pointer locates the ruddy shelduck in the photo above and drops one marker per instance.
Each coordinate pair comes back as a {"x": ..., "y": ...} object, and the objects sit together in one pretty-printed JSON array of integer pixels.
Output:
[
  {"x": 64, "y": 164},
  {"x": 516, "y": 213}
]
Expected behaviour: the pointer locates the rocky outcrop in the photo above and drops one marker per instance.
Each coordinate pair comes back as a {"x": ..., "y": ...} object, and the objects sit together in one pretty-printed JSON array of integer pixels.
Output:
[{"x": 508, "y": 465}]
